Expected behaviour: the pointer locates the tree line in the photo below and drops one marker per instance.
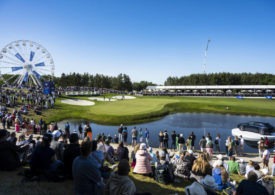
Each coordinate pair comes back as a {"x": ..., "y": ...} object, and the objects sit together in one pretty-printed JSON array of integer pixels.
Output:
[
  {"x": 120, "y": 82},
  {"x": 223, "y": 78}
]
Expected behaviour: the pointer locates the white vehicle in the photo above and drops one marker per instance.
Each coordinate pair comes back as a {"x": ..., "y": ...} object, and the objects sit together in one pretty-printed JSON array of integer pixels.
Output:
[{"x": 254, "y": 131}]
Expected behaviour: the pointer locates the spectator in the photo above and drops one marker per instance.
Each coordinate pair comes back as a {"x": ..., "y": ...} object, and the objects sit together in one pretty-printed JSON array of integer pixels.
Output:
[
  {"x": 230, "y": 146},
  {"x": 209, "y": 147},
  {"x": 273, "y": 167},
  {"x": 8, "y": 152},
  {"x": 109, "y": 152},
  {"x": 86, "y": 175},
  {"x": 122, "y": 152},
  {"x": 266, "y": 156},
  {"x": 236, "y": 144},
  {"x": 195, "y": 189},
  {"x": 193, "y": 138},
  {"x": 97, "y": 156},
  {"x": 125, "y": 135},
  {"x": 217, "y": 143},
  {"x": 201, "y": 167},
  {"x": 249, "y": 167},
  {"x": 134, "y": 136},
  {"x": 164, "y": 170},
  {"x": 221, "y": 176},
  {"x": 233, "y": 166},
  {"x": 143, "y": 159},
  {"x": 140, "y": 134},
  {"x": 161, "y": 139},
  {"x": 261, "y": 147},
  {"x": 202, "y": 144},
  {"x": 181, "y": 142},
  {"x": 120, "y": 129},
  {"x": 189, "y": 143},
  {"x": 242, "y": 167},
  {"x": 242, "y": 144},
  {"x": 12, "y": 138},
  {"x": 181, "y": 166},
  {"x": 173, "y": 137},
  {"x": 119, "y": 183},
  {"x": 209, "y": 184},
  {"x": 147, "y": 135},
  {"x": 165, "y": 139},
  {"x": 43, "y": 159},
  {"x": 153, "y": 155},
  {"x": 70, "y": 153},
  {"x": 268, "y": 182},
  {"x": 55, "y": 143},
  {"x": 257, "y": 170},
  {"x": 250, "y": 186}
]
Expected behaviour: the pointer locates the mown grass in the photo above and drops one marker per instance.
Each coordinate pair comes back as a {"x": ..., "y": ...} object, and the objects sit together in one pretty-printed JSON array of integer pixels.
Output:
[{"x": 144, "y": 109}]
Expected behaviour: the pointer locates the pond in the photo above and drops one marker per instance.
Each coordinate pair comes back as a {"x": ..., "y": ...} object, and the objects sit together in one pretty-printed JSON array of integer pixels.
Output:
[{"x": 185, "y": 123}]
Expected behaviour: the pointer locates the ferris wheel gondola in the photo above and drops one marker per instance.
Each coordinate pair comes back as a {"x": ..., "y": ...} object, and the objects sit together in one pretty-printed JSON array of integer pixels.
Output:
[{"x": 25, "y": 62}]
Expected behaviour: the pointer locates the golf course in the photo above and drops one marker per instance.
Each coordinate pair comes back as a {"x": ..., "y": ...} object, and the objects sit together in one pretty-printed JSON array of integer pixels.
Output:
[{"x": 149, "y": 108}]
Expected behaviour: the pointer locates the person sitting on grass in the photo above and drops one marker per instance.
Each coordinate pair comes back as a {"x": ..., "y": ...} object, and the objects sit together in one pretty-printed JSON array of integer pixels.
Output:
[
  {"x": 250, "y": 186},
  {"x": 143, "y": 159},
  {"x": 201, "y": 167},
  {"x": 209, "y": 185},
  {"x": 233, "y": 166},
  {"x": 221, "y": 176},
  {"x": 164, "y": 170},
  {"x": 242, "y": 165},
  {"x": 249, "y": 167},
  {"x": 119, "y": 183},
  {"x": 70, "y": 153},
  {"x": 8, "y": 152},
  {"x": 86, "y": 175},
  {"x": 43, "y": 161},
  {"x": 122, "y": 152},
  {"x": 181, "y": 166}
]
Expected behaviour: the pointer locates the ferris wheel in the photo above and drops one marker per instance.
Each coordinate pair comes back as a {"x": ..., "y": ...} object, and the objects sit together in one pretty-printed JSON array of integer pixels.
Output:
[{"x": 24, "y": 62}]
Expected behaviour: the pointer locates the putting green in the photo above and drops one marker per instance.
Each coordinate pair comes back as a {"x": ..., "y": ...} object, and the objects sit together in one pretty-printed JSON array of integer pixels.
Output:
[{"x": 144, "y": 109}]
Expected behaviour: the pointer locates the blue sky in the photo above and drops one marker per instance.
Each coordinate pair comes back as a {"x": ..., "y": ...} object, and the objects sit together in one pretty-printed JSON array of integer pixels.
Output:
[{"x": 146, "y": 39}]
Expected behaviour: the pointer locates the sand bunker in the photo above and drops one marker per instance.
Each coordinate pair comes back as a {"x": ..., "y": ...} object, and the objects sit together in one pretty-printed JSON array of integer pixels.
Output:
[
  {"x": 126, "y": 97},
  {"x": 102, "y": 99},
  {"x": 78, "y": 102}
]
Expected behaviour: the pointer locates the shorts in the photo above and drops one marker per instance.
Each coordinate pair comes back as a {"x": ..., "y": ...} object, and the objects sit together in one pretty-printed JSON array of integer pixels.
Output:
[{"x": 134, "y": 138}]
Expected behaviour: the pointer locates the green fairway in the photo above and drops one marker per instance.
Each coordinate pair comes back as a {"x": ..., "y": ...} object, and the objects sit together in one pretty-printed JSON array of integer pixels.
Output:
[{"x": 143, "y": 109}]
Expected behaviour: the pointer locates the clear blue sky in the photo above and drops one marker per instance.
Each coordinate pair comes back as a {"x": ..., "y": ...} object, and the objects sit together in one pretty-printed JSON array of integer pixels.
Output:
[{"x": 146, "y": 39}]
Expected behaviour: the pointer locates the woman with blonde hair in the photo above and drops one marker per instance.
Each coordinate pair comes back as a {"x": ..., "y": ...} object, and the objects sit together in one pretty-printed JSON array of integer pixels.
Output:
[
  {"x": 221, "y": 176},
  {"x": 201, "y": 167}
]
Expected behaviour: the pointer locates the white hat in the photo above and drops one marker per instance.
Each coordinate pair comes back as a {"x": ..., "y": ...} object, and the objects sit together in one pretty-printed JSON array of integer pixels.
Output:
[
  {"x": 209, "y": 182},
  {"x": 190, "y": 151},
  {"x": 181, "y": 135},
  {"x": 195, "y": 189},
  {"x": 150, "y": 149},
  {"x": 56, "y": 133},
  {"x": 142, "y": 146},
  {"x": 219, "y": 157},
  {"x": 219, "y": 163},
  {"x": 241, "y": 160}
]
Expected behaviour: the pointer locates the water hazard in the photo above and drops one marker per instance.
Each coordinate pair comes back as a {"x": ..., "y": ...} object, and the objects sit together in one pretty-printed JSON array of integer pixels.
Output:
[{"x": 185, "y": 123}]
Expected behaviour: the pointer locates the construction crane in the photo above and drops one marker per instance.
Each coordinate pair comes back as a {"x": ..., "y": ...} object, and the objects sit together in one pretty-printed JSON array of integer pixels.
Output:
[{"x": 205, "y": 55}]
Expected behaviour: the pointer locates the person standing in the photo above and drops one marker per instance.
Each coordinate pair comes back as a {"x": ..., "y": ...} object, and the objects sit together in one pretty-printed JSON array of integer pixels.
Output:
[
  {"x": 173, "y": 137},
  {"x": 88, "y": 132},
  {"x": 242, "y": 145},
  {"x": 165, "y": 139},
  {"x": 261, "y": 147},
  {"x": 125, "y": 135},
  {"x": 140, "y": 134},
  {"x": 160, "y": 139},
  {"x": 134, "y": 136},
  {"x": 230, "y": 146},
  {"x": 147, "y": 137},
  {"x": 202, "y": 144},
  {"x": 266, "y": 156},
  {"x": 193, "y": 138},
  {"x": 217, "y": 143},
  {"x": 181, "y": 142},
  {"x": 67, "y": 129},
  {"x": 236, "y": 145},
  {"x": 80, "y": 130},
  {"x": 189, "y": 143},
  {"x": 120, "y": 129}
]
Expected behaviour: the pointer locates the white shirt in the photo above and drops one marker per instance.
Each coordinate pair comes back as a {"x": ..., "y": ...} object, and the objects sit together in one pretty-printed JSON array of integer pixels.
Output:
[
  {"x": 266, "y": 154},
  {"x": 242, "y": 141}
]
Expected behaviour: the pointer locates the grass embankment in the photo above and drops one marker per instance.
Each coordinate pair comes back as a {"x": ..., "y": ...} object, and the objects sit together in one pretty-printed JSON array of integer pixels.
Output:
[
  {"x": 144, "y": 109},
  {"x": 11, "y": 183}
]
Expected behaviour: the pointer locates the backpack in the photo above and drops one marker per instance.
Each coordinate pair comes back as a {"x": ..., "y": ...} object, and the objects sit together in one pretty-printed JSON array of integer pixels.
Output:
[
  {"x": 119, "y": 130},
  {"x": 237, "y": 142},
  {"x": 267, "y": 183},
  {"x": 216, "y": 142},
  {"x": 162, "y": 174}
]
